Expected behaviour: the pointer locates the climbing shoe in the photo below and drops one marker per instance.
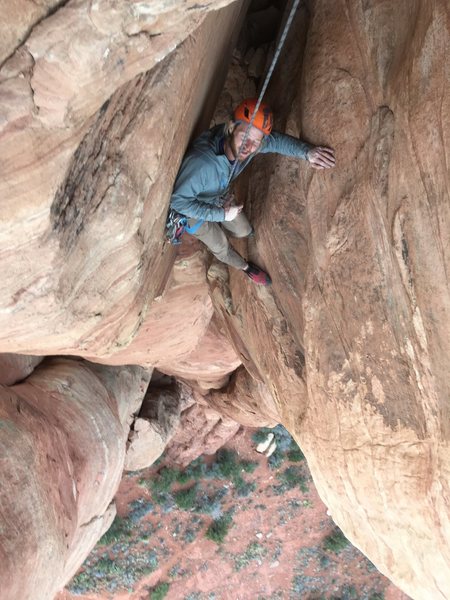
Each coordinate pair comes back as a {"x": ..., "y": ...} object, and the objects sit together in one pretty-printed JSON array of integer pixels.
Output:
[{"x": 257, "y": 275}]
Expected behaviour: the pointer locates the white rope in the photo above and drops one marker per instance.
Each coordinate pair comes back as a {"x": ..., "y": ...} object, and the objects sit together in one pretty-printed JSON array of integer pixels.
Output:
[{"x": 266, "y": 82}]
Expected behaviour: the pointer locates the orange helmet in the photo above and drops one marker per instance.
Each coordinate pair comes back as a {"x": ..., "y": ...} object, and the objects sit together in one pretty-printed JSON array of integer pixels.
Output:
[{"x": 263, "y": 118}]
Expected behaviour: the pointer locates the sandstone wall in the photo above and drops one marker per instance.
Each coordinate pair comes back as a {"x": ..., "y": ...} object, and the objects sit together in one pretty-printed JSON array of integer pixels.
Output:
[
  {"x": 93, "y": 126},
  {"x": 359, "y": 257},
  {"x": 349, "y": 347},
  {"x": 62, "y": 449},
  {"x": 97, "y": 110}
]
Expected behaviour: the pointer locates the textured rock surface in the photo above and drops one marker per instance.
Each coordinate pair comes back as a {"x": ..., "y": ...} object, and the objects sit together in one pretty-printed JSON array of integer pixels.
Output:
[
  {"x": 62, "y": 447},
  {"x": 359, "y": 258},
  {"x": 202, "y": 431},
  {"x": 91, "y": 135},
  {"x": 263, "y": 341},
  {"x": 156, "y": 424},
  {"x": 179, "y": 335},
  {"x": 246, "y": 401},
  {"x": 15, "y": 367},
  {"x": 348, "y": 349}
]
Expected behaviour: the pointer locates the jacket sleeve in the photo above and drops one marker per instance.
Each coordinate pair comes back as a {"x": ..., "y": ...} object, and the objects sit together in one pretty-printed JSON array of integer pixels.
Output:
[
  {"x": 189, "y": 184},
  {"x": 281, "y": 143}
]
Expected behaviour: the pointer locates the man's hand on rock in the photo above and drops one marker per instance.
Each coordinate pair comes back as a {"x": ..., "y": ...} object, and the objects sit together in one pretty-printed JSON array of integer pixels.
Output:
[
  {"x": 321, "y": 157},
  {"x": 231, "y": 212},
  {"x": 229, "y": 200}
]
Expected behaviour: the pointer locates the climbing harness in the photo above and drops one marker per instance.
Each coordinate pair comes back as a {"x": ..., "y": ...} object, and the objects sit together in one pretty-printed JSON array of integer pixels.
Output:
[{"x": 176, "y": 224}]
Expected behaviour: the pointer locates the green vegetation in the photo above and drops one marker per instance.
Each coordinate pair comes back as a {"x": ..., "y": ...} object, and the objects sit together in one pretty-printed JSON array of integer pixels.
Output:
[
  {"x": 290, "y": 478},
  {"x": 186, "y": 498},
  {"x": 227, "y": 466},
  {"x": 196, "y": 470},
  {"x": 166, "y": 477},
  {"x": 254, "y": 551},
  {"x": 159, "y": 591},
  {"x": 295, "y": 455},
  {"x": 245, "y": 488},
  {"x": 219, "y": 528},
  {"x": 124, "y": 554},
  {"x": 120, "y": 530},
  {"x": 336, "y": 541}
]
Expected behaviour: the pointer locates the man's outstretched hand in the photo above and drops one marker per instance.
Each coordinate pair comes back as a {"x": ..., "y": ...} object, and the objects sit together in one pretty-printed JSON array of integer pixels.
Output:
[{"x": 321, "y": 157}]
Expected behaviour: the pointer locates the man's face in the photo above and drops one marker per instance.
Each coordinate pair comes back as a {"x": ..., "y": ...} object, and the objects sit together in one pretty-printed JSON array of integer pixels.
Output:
[{"x": 252, "y": 143}]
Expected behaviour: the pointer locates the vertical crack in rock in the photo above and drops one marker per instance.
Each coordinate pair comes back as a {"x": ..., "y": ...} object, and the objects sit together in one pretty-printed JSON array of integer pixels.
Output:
[
  {"x": 97, "y": 169},
  {"x": 383, "y": 148}
]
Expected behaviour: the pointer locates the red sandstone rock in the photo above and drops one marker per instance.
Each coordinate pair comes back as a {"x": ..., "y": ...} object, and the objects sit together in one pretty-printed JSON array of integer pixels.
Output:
[
  {"x": 358, "y": 258},
  {"x": 179, "y": 336},
  {"x": 263, "y": 341},
  {"x": 62, "y": 451},
  {"x": 246, "y": 401},
  {"x": 351, "y": 341},
  {"x": 91, "y": 136},
  {"x": 15, "y": 367},
  {"x": 202, "y": 431},
  {"x": 156, "y": 424}
]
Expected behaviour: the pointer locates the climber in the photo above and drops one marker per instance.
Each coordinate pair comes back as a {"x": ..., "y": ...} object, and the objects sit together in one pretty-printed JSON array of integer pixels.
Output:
[{"x": 201, "y": 192}]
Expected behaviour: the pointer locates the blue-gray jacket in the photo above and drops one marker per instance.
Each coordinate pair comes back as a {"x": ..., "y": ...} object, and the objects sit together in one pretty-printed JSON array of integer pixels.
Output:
[{"x": 204, "y": 172}]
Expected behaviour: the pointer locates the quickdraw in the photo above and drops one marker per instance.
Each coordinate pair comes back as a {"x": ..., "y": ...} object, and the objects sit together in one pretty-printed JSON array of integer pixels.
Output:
[{"x": 176, "y": 225}]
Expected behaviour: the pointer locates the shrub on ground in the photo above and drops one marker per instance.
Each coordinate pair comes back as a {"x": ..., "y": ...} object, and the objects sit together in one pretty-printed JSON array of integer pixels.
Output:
[
  {"x": 159, "y": 591},
  {"x": 186, "y": 498},
  {"x": 254, "y": 551},
  {"x": 336, "y": 541},
  {"x": 219, "y": 528},
  {"x": 120, "y": 530},
  {"x": 295, "y": 455}
]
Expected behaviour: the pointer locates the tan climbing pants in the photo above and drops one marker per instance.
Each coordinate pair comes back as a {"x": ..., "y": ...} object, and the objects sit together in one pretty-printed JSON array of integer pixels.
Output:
[{"x": 213, "y": 236}]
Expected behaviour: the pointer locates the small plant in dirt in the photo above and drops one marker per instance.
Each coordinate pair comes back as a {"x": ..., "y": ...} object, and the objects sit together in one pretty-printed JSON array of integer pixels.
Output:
[
  {"x": 211, "y": 503},
  {"x": 163, "y": 482},
  {"x": 184, "y": 477},
  {"x": 83, "y": 583},
  {"x": 177, "y": 572},
  {"x": 120, "y": 531},
  {"x": 159, "y": 591},
  {"x": 347, "y": 592},
  {"x": 254, "y": 551},
  {"x": 278, "y": 595},
  {"x": 290, "y": 478},
  {"x": 295, "y": 455},
  {"x": 376, "y": 596},
  {"x": 189, "y": 535},
  {"x": 227, "y": 463},
  {"x": 186, "y": 498},
  {"x": 335, "y": 541},
  {"x": 230, "y": 467},
  {"x": 245, "y": 488},
  {"x": 195, "y": 470},
  {"x": 218, "y": 529},
  {"x": 138, "y": 509}
]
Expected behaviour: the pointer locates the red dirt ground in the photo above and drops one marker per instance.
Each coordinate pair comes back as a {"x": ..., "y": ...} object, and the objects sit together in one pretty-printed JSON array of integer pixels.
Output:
[{"x": 283, "y": 535}]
